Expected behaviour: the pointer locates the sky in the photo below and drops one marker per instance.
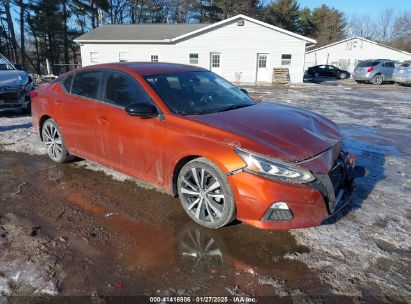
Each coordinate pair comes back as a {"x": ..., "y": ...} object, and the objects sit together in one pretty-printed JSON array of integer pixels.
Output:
[{"x": 359, "y": 7}]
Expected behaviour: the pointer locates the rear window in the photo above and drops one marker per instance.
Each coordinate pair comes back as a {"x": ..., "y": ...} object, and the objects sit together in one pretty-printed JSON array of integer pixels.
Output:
[
  {"x": 86, "y": 83},
  {"x": 364, "y": 64}
]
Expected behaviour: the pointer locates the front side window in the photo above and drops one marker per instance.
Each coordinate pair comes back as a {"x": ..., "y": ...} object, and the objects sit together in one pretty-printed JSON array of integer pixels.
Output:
[
  {"x": 154, "y": 58},
  {"x": 122, "y": 56},
  {"x": 193, "y": 58},
  {"x": 197, "y": 93},
  {"x": 285, "y": 59},
  {"x": 86, "y": 83},
  {"x": 122, "y": 89},
  {"x": 94, "y": 57},
  {"x": 67, "y": 82}
]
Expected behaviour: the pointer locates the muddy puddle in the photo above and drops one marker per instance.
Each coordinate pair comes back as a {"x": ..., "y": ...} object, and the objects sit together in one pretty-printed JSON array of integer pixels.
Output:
[{"x": 115, "y": 238}]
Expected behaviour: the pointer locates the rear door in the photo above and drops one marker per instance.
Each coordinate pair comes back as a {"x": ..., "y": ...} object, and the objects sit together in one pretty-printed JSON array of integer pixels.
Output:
[
  {"x": 77, "y": 111},
  {"x": 129, "y": 144}
]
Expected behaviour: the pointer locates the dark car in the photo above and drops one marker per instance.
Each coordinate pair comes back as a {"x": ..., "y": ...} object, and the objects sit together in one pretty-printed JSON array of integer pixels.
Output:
[{"x": 327, "y": 71}]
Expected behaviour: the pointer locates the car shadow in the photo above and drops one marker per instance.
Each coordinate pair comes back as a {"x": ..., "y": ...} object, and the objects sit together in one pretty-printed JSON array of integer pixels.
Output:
[
  {"x": 321, "y": 79},
  {"x": 371, "y": 154},
  {"x": 15, "y": 127}
]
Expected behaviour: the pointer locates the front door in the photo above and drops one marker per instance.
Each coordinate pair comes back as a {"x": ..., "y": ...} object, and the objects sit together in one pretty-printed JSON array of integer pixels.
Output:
[
  {"x": 215, "y": 63},
  {"x": 129, "y": 144},
  {"x": 263, "y": 68}
]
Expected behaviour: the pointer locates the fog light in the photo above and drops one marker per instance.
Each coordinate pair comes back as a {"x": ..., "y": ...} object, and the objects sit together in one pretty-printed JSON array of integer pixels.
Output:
[{"x": 279, "y": 212}]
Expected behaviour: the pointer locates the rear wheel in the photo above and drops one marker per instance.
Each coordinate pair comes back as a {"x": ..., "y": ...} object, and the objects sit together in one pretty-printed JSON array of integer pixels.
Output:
[
  {"x": 378, "y": 79},
  {"x": 54, "y": 142},
  {"x": 205, "y": 194}
]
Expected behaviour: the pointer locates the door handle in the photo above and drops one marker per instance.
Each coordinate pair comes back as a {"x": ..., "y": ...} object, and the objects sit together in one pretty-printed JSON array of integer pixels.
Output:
[
  {"x": 58, "y": 101},
  {"x": 104, "y": 120}
]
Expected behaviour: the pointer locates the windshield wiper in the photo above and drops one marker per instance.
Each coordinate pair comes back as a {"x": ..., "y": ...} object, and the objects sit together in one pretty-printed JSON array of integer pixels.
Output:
[{"x": 236, "y": 106}]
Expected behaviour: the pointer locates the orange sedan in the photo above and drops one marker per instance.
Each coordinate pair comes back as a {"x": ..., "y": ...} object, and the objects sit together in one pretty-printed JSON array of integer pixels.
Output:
[{"x": 199, "y": 137}]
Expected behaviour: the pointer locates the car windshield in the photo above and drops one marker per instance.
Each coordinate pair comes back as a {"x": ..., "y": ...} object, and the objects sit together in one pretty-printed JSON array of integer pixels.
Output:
[
  {"x": 5, "y": 65},
  {"x": 197, "y": 93},
  {"x": 365, "y": 64}
]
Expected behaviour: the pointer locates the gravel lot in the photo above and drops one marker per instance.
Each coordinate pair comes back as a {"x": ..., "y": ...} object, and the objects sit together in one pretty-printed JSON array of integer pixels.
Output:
[{"x": 81, "y": 229}]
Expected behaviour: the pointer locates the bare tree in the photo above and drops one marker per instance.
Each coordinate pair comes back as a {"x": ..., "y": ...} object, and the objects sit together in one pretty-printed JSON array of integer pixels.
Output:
[
  {"x": 361, "y": 26},
  {"x": 385, "y": 23}
]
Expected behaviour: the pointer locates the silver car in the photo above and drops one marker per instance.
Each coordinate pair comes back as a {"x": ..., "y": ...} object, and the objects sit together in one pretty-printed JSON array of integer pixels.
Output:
[
  {"x": 402, "y": 73},
  {"x": 375, "y": 71},
  {"x": 15, "y": 86}
]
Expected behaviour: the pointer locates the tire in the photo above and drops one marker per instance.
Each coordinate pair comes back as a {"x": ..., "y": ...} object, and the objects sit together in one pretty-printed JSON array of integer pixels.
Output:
[
  {"x": 378, "y": 79},
  {"x": 205, "y": 194},
  {"x": 342, "y": 75},
  {"x": 54, "y": 142}
]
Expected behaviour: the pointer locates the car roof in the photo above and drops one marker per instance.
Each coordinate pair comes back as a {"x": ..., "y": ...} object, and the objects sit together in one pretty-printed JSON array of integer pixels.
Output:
[{"x": 148, "y": 68}]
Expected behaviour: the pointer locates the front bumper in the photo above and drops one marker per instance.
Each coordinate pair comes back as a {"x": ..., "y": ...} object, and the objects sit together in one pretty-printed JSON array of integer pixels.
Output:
[
  {"x": 310, "y": 204},
  {"x": 402, "y": 79},
  {"x": 14, "y": 99}
]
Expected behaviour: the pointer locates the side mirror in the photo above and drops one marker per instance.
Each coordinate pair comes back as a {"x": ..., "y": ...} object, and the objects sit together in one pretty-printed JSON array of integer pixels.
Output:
[
  {"x": 142, "y": 110},
  {"x": 244, "y": 90}
]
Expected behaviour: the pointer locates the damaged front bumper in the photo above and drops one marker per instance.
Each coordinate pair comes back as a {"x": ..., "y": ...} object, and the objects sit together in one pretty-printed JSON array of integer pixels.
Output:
[
  {"x": 14, "y": 98},
  {"x": 272, "y": 204}
]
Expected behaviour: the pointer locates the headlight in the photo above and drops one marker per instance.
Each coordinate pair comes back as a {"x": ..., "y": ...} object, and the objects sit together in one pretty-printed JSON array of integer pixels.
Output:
[{"x": 275, "y": 169}]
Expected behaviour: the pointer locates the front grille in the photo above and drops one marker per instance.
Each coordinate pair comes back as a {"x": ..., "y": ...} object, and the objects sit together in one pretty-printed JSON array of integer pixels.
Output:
[
  {"x": 9, "y": 97},
  {"x": 337, "y": 176}
]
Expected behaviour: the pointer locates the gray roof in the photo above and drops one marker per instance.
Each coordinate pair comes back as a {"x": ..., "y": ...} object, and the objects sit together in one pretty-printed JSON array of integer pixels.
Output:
[{"x": 136, "y": 32}]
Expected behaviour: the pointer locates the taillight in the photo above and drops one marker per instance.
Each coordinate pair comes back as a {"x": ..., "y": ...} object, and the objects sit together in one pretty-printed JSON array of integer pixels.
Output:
[
  {"x": 33, "y": 94},
  {"x": 370, "y": 69}
]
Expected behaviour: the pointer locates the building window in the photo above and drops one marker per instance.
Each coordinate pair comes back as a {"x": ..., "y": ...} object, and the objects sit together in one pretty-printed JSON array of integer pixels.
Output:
[
  {"x": 215, "y": 60},
  {"x": 94, "y": 57},
  {"x": 262, "y": 61},
  {"x": 285, "y": 59},
  {"x": 193, "y": 58},
  {"x": 154, "y": 58},
  {"x": 123, "y": 56}
]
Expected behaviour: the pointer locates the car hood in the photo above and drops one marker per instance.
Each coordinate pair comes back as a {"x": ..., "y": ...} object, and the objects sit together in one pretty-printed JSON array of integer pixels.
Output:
[
  {"x": 12, "y": 78},
  {"x": 280, "y": 131}
]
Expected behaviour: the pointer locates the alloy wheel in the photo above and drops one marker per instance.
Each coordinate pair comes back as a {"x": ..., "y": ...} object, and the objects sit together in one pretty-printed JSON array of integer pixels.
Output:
[
  {"x": 203, "y": 195},
  {"x": 378, "y": 79},
  {"x": 53, "y": 142}
]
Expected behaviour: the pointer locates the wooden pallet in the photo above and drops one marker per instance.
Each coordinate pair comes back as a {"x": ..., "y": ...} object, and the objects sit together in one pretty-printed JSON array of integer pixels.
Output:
[{"x": 280, "y": 75}]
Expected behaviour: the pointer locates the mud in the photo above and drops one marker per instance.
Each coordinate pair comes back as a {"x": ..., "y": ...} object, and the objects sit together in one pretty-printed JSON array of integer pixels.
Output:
[
  {"x": 82, "y": 230},
  {"x": 131, "y": 241}
]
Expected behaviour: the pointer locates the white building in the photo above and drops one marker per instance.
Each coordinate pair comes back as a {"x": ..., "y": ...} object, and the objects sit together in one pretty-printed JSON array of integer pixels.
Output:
[
  {"x": 240, "y": 49},
  {"x": 346, "y": 53}
]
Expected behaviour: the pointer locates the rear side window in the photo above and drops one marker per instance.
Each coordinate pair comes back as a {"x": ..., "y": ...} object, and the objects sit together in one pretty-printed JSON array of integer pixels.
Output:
[
  {"x": 86, "y": 83},
  {"x": 122, "y": 89},
  {"x": 67, "y": 82},
  {"x": 389, "y": 65},
  {"x": 364, "y": 64}
]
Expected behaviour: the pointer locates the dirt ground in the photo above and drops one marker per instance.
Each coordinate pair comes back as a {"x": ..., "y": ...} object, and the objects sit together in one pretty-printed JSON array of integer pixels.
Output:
[{"x": 80, "y": 229}]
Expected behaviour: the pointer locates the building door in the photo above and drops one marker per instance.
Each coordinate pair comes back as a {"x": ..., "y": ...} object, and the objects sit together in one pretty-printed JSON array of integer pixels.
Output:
[
  {"x": 215, "y": 63},
  {"x": 263, "y": 68}
]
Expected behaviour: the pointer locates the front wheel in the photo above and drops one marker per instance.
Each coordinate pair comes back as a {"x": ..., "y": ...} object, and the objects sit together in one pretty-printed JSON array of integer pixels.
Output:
[
  {"x": 205, "y": 194},
  {"x": 54, "y": 142},
  {"x": 343, "y": 75}
]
